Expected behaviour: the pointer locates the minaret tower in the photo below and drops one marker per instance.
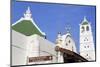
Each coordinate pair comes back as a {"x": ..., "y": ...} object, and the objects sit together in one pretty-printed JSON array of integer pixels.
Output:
[{"x": 86, "y": 41}]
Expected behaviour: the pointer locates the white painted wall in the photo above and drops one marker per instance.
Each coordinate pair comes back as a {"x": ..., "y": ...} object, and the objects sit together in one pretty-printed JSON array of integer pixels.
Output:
[
  {"x": 70, "y": 46},
  {"x": 18, "y": 56},
  {"x": 19, "y": 48},
  {"x": 24, "y": 47},
  {"x": 47, "y": 47},
  {"x": 40, "y": 47},
  {"x": 19, "y": 39}
]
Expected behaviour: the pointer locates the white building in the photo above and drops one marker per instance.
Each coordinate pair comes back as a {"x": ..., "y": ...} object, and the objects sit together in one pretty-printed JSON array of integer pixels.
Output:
[
  {"x": 29, "y": 45},
  {"x": 65, "y": 41},
  {"x": 86, "y": 41}
]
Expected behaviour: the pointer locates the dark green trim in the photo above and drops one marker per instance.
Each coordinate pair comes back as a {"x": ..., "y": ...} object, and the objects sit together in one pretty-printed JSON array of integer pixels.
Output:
[{"x": 84, "y": 23}]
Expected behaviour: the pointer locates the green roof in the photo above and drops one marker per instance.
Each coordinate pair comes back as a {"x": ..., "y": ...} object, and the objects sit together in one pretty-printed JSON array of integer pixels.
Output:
[
  {"x": 26, "y": 27},
  {"x": 85, "y": 23}
]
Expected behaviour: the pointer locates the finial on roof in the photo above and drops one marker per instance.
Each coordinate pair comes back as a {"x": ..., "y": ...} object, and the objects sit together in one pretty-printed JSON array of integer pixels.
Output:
[
  {"x": 27, "y": 14},
  {"x": 59, "y": 32},
  {"x": 28, "y": 10},
  {"x": 67, "y": 28},
  {"x": 59, "y": 35},
  {"x": 85, "y": 19}
]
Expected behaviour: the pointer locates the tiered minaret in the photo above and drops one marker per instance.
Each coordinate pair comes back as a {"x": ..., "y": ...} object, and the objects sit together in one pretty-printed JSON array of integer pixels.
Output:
[{"x": 86, "y": 41}]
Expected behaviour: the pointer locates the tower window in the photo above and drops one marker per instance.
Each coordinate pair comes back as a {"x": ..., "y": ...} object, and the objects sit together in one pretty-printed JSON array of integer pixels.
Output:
[
  {"x": 69, "y": 41},
  {"x": 66, "y": 44},
  {"x": 88, "y": 46},
  {"x": 86, "y": 54},
  {"x": 82, "y": 29},
  {"x": 87, "y": 28},
  {"x": 84, "y": 46},
  {"x": 86, "y": 39}
]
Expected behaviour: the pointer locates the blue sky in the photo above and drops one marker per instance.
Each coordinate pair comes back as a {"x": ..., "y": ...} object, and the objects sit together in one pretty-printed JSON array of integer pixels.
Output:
[{"x": 53, "y": 18}]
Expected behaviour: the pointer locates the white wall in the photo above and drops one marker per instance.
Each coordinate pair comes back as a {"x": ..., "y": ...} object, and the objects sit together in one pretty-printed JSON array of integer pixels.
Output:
[
  {"x": 19, "y": 48},
  {"x": 19, "y": 39},
  {"x": 32, "y": 46},
  {"x": 71, "y": 46},
  {"x": 24, "y": 47},
  {"x": 47, "y": 48},
  {"x": 38, "y": 46},
  {"x": 18, "y": 56}
]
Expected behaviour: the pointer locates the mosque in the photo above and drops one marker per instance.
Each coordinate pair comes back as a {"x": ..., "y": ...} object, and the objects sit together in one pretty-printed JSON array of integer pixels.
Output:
[{"x": 30, "y": 46}]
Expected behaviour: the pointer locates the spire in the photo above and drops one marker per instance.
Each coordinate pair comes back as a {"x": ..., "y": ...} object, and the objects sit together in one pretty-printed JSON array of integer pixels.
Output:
[
  {"x": 27, "y": 14},
  {"x": 85, "y": 21}
]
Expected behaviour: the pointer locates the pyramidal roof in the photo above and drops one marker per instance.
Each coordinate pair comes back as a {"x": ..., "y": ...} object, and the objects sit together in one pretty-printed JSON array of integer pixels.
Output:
[
  {"x": 85, "y": 21},
  {"x": 26, "y": 25}
]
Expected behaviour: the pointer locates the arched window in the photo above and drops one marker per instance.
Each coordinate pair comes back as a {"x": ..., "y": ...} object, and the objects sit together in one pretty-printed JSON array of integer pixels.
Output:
[
  {"x": 69, "y": 41},
  {"x": 66, "y": 44},
  {"x": 87, "y": 28},
  {"x": 86, "y": 54},
  {"x": 82, "y": 29}
]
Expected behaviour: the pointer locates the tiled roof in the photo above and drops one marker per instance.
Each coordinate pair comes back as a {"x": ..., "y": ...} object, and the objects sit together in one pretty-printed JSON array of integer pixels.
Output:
[{"x": 26, "y": 27}]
